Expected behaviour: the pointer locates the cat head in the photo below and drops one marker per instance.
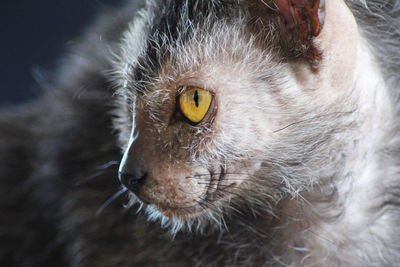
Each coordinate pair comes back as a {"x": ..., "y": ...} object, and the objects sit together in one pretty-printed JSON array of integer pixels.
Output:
[{"x": 231, "y": 104}]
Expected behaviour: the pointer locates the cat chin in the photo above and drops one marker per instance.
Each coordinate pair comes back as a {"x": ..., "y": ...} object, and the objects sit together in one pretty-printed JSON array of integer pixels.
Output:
[
  {"x": 175, "y": 220},
  {"x": 200, "y": 222},
  {"x": 171, "y": 223}
]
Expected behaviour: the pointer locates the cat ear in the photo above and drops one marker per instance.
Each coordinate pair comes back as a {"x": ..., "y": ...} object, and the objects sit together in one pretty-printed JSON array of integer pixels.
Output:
[
  {"x": 296, "y": 24},
  {"x": 302, "y": 17}
]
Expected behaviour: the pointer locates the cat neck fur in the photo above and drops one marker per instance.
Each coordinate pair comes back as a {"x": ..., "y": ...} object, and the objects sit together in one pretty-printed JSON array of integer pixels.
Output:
[
  {"x": 352, "y": 228},
  {"x": 345, "y": 211}
]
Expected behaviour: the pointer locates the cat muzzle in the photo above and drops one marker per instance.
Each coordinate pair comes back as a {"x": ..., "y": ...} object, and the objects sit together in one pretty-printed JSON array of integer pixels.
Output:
[{"x": 132, "y": 181}]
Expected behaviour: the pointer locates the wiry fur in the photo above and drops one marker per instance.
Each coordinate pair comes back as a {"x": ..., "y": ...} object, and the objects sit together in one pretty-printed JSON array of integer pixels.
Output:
[{"x": 314, "y": 180}]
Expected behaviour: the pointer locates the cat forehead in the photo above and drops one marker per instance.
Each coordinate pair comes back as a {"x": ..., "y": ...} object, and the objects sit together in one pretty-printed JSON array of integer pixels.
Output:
[{"x": 177, "y": 40}]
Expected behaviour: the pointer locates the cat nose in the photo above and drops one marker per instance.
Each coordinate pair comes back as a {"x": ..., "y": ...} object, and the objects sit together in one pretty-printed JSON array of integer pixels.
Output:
[{"x": 132, "y": 181}]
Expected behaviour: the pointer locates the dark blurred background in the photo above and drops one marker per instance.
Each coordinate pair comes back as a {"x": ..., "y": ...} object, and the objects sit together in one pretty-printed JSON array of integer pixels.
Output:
[{"x": 34, "y": 35}]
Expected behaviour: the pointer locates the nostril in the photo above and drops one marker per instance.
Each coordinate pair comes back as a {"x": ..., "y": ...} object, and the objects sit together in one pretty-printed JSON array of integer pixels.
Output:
[{"x": 131, "y": 181}]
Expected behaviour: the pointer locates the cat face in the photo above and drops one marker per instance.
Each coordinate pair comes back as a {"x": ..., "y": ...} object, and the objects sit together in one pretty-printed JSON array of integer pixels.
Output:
[
  {"x": 188, "y": 165},
  {"x": 268, "y": 126}
]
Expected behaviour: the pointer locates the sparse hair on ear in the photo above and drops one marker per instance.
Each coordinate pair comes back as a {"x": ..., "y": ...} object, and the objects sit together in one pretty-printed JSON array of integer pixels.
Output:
[{"x": 293, "y": 23}]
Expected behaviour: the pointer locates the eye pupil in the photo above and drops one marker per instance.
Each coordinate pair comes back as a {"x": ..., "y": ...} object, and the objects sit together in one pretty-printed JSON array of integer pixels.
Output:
[
  {"x": 196, "y": 98},
  {"x": 194, "y": 103}
]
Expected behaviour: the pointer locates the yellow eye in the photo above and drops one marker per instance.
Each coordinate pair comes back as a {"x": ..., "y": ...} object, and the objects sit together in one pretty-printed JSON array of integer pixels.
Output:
[{"x": 194, "y": 103}]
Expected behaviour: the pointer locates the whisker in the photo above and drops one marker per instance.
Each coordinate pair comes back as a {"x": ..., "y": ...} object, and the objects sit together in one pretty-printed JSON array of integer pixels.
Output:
[
  {"x": 312, "y": 118},
  {"x": 111, "y": 199},
  {"x": 108, "y": 164},
  {"x": 101, "y": 169},
  {"x": 89, "y": 178},
  {"x": 221, "y": 190},
  {"x": 207, "y": 203},
  {"x": 228, "y": 179},
  {"x": 201, "y": 177},
  {"x": 201, "y": 182},
  {"x": 215, "y": 173}
]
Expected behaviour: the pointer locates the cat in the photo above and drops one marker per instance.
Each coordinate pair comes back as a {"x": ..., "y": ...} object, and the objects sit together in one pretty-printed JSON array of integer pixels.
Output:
[{"x": 212, "y": 133}]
